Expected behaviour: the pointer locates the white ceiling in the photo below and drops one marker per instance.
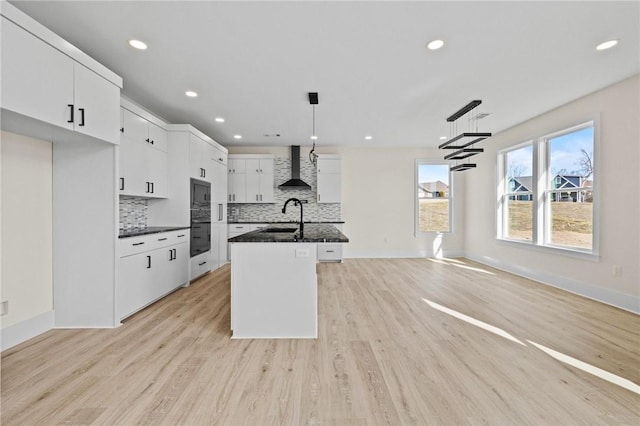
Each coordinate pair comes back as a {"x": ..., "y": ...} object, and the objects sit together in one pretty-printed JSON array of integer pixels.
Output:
[{"x": 254, "y": 62}]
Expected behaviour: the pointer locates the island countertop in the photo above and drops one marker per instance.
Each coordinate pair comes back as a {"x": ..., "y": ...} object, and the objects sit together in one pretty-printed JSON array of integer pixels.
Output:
[{"x": 312, "y": 233}]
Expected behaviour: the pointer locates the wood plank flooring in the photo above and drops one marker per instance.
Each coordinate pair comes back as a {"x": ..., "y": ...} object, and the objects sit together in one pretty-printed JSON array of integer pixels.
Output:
[{"x": 401, "y": 342}]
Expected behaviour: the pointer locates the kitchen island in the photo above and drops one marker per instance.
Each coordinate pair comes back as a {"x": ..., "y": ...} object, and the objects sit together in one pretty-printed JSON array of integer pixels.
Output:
[{"x": 273, "y": 280}]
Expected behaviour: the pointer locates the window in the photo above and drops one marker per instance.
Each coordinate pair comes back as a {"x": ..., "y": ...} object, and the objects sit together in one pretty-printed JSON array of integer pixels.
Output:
[
  {"x": 569, "y": 194},
  {"x": 549, "y": 202},
  {"x": 433, "y": 197},
  {"x": 518, "y": 196}
]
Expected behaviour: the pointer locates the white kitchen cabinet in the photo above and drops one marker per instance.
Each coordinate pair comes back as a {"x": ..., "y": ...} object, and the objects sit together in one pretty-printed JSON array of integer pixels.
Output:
[
  {"x": 151, "y": 266},
  {"x": 330, "y": 252},
  {"x": 143, "y": 157},
  {"x": 40, "y": 82},
  {"x": 329, "y": 173},
  {"x": 200, "y": 159},
  {"x": 251, "y": 179},
  {"x": 200, "y": 265},
  {"x": 220, "y": 176},
  {"x": 237, "y": 187}
]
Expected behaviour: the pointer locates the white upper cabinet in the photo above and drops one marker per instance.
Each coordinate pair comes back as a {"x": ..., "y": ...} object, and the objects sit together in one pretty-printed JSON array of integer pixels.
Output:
[
  {"x": 251, "y": 178},
  {"x": 200, "y": 159},
  {"x": 143, "y": 157},
  {"x": 329, "y": 172},
  {"x": 40, "y": 82},
  {"x": 26, "y": 89}
]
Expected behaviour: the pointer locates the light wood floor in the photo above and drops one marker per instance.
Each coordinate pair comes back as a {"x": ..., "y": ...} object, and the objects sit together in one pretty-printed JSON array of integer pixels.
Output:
[{"x": 384, "y": 356}]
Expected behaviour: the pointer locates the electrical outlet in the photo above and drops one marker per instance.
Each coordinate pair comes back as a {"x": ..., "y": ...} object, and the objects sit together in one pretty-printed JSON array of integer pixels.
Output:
[
  {"x": 617, "y": 270},
  {"x": 302, "y": 252},
  {"x": 4, "y": 308}
]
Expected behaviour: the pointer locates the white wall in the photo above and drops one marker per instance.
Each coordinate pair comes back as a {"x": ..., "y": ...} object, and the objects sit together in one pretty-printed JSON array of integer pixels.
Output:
[
  {"x": 619, "y": 216},
  {"x": 27, "y": 280},
  {"x": 378, "y": 192}
]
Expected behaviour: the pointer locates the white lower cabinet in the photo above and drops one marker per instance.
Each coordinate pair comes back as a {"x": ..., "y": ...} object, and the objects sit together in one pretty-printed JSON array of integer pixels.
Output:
[
  {"x": 151, "y": 267},
  {"x": 329, "y": 252},
  {"x": 200, "y": 265}
]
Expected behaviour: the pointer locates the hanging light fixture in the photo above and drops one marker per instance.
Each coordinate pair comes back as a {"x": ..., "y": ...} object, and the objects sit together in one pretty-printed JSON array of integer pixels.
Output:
[{"x": 313, "y": 100}]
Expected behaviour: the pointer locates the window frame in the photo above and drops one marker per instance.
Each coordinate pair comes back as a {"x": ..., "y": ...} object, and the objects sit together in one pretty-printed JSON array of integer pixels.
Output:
[
  {"x": 542, "y": 188},
  {"x": 416, "y": 215},
  {"x": 503, "y": 193}
]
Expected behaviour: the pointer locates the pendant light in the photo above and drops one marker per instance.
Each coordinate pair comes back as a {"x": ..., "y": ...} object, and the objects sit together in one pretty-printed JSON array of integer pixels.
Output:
[
  {"x": 313, "y": 100},
  {"x": 464, "y": 143}
]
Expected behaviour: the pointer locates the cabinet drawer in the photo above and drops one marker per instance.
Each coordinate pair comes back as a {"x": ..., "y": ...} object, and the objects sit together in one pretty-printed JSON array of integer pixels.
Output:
[
  {"x": 240, "y": 229},
  {"x": 328, "y": 252},
  {"x": 200, "y": 265},
  {"x": 170, "y": 238},
  {"x": 134, "y": 245}
]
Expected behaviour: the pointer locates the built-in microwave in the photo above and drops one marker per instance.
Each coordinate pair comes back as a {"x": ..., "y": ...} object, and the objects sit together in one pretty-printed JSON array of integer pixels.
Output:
[{"x": 200, "y": 194}]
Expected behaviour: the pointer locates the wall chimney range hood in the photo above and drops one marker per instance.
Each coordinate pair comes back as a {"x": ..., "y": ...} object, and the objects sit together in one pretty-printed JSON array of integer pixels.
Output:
[{"x": 295, "y": 181}]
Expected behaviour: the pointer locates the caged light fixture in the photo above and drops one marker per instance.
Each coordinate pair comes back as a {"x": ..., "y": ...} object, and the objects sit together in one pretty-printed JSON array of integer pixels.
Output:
[
  {"x": 464, "y": 142},
  {"x": 313, "y": 101}
]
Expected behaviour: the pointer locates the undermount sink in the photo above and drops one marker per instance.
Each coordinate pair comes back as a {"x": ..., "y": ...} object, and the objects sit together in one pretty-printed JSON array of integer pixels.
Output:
[{"x": 280, "y": 230}]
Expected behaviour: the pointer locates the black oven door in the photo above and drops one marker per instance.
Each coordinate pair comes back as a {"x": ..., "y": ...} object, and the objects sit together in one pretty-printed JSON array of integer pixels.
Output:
[
  {"x": 200, "y": 194},
  {"x": 200, "y": 232}
]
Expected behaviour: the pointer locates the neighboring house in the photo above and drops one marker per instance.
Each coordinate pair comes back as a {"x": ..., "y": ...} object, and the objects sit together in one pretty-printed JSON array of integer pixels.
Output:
[
  {"x": 570, "y": 182},
  {"x": 521, "y": 184},
  {"x": 433, "y": 189}
]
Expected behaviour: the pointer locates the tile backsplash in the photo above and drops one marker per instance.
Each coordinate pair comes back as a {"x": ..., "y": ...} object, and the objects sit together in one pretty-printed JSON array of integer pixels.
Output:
[
  {"x": 133, "y": 213},
  {"x": 273, "y": 212}
]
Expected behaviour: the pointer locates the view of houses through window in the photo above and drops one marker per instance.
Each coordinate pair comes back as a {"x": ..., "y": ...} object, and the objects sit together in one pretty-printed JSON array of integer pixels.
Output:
[
  {"x": 565, "y": 198},
  {"x": 434, "y": 193}
]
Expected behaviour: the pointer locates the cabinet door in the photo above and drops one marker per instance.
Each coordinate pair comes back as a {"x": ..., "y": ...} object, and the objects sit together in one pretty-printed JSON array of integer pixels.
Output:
[
  {"x": 133, "y": 157},
  {"x": 237, "y": 165},
  {"x": 238, "y": 188},
  {"x": 329, "y": 188},
  {"x": 253, "y": 187},
  {"x": 329, "y": 165},
  {"x": 252, "y": 166},
  {"x": 195, "y": 157},
  {"x": 37, "y": 80},
  {"x": 223, "y": 244},
  {"x": 157, "y": 172},
  {"x": 135, "y": 128},
  {"x": 207, "y": 161},
  {"x": 97, "y": 105},
  {"x": 219, "y": 186},
  {"x": 158, "y": 136},
  {"x": 132, "y": 291},
  {"x": 215, "y": 246},
  {"x": 267, "y": 188},
  {"x": 266, "y": 166}
]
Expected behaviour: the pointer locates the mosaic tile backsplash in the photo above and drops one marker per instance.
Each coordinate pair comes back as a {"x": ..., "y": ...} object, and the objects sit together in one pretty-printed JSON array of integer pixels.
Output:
[
  {"x": 133, "y": 213},
  {"x": 313, "y": 211}
]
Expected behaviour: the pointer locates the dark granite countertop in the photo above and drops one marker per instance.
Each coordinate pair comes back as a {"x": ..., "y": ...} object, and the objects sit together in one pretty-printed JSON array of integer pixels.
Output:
[
  {"x": 313, "y": 233},
  {"x": 244, "y": 222},
  {"x": 149, "y": 230}
]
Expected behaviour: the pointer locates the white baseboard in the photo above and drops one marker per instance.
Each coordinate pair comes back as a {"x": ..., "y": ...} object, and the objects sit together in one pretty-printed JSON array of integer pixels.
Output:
[
  {"x": 377, "y": 254},
  {"x": 620, "y": 300},
  {"x": 27, "y": 329}
]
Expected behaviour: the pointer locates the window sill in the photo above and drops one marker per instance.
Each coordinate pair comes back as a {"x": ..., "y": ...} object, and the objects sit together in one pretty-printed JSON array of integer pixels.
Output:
[{"x": 555, "y": 250}]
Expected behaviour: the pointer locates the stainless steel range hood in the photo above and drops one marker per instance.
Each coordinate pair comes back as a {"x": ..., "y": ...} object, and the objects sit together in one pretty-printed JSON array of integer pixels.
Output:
[{"x": 295, "y": 181}]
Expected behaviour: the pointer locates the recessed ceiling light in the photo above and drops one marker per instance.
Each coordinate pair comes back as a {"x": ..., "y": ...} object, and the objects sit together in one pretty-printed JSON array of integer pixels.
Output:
[
  {"x": 191, "y": 94},
  {"x": 435, "y": 44},
  {"x": 219, "y": 120},
  {"x": 368, "y": 138},
  {"x": 138, "y": 44},
  {"x": 606, "y": 45},
  {"x": 237, "y": 136},
  {"x": 442, "y": 138}
]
